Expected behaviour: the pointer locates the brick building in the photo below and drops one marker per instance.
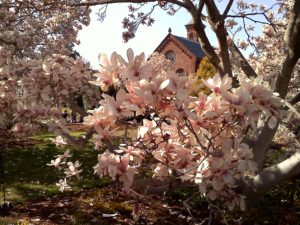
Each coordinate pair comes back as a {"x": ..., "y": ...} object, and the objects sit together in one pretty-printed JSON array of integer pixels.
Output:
[{"x": 184, "y": 53}]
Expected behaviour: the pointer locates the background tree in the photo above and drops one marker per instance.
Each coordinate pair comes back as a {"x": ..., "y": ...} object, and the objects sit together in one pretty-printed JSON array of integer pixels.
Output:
[{"x": 205, "y": 71}]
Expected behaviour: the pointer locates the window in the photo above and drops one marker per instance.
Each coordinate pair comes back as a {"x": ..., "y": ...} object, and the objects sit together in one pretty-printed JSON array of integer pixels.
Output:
[
  {"x": 170, "y": 55},
  {"x": 180, "y": 72}
]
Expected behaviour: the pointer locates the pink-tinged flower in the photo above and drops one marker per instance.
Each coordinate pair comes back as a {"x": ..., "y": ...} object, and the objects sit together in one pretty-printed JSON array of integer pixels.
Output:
[
  {"x": 66, "y": 155},
  {"x": 178, "y": 85},
  {"x": 217, "y": 163},
  {"x": 243, "y": 44},
  {"x": 136, "y": 69},
  {"x": 200, "y": 104},
  {"x": 235, "y": 200},
  {"x": 244, "y": 151},
  {"x": 109, "y": 64},
  {"x": 230, "y": 23},
  {"x": 116, "y": 106},
  {"x": 214, "y": 107},
  {"x": 57, "y": 162},
  {"x": 99, "y": 117},
  {"x": 161, "y": 170},
  {"x": 62, "y": 184},
  {"x": 104, "y": 134},
  {"x": 104, "y": 80},
  {"x": 182, "y": 158},
  {"x": 239, "y": 97},
  {"x": 218, "y": 84},
  {"x": 116, "y": 167},
  {"x": 203, "y": 171},
  {"x": 147, "y": 125},
  {"x": 72, "y": 169},
  {"x": 135, "y": 155},
  {"x": 60, "y": 159},
  {"x": 110, "y": 72},
  {"x": 59, "y": 141}
]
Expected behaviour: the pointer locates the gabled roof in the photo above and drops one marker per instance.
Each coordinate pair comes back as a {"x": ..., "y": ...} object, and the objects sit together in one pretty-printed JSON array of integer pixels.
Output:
[{"x": 192, "y": 46}]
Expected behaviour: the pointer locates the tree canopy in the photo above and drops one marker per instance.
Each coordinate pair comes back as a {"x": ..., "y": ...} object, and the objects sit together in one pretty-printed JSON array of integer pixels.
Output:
[{"x": 219, "y": 141}]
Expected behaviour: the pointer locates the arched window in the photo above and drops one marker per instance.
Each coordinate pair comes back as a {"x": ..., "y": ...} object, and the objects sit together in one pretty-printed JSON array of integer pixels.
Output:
[
  {"x": 180, "y": 72},
  {"x": 170, "y": 55}
]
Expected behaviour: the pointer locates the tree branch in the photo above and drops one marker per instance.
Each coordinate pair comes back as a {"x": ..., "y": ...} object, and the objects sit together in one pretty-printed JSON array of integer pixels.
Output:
[
  {"x": 80, "y": 142},
  {"x": 225, "y": 13},
  {"x": 217, "y": 22},
  {"x": 75, "y": 107},
  {"x": 292, "y": 39},
  {"x": 272, "y": 176},
  {"x": 206, "y": 45},
  {"x": 242, "y": 62},
  {"x": 295, "y": 99},
  {"x": 262, "y": 143}
]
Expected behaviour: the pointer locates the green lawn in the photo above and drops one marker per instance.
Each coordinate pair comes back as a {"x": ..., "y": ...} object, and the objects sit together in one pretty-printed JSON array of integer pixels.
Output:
[{"x": 27, "y": 176}]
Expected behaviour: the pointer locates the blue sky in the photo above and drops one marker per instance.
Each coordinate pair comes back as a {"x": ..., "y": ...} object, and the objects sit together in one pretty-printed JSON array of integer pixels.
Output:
[{"x": 106, "y": 37}]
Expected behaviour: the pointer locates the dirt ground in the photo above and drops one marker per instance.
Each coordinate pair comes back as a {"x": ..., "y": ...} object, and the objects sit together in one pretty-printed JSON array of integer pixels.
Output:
[{"x": 102, "y": 206}]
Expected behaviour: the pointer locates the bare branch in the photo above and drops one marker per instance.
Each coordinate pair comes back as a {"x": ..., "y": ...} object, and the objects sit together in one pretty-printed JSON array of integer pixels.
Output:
[
  {"x": 292, "y": 41},
  {"x": 292, "y": 108},
  {"x": 75, "y": 107},
  {"x": 295, "y": 99},
  {"x": 217, "y": 22},
  {"x": 80, "y": 142},
  {"x": 227, "y": 9},
  {"x": 242, "y": 62}
]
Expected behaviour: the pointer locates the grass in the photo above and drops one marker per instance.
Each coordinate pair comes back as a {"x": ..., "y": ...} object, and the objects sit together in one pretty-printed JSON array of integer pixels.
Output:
[{"x": 27, "y": 175}]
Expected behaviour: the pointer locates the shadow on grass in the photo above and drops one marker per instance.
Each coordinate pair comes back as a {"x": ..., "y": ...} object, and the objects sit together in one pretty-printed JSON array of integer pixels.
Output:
[{"x": 27, "y": 175}]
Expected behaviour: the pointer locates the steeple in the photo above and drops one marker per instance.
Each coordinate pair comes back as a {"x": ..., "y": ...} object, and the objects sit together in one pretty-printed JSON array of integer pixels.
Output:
[{"x": 190, "y": 30}]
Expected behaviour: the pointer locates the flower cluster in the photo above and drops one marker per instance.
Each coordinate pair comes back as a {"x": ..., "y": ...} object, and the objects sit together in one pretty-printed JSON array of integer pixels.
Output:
[
  {"x": 70, "y": 169},
  {"x": 29, "y": 72},
  {"x": 42, "y": 88},
  {"x": 198, "y": 138}
]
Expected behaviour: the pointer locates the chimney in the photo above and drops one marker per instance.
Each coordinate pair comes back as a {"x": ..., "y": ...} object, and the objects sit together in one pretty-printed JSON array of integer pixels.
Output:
[{"x": 191, "y": 33}]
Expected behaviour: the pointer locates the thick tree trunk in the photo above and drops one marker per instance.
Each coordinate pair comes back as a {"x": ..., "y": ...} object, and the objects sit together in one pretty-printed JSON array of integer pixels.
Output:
[{"x": 272, "y": 176}]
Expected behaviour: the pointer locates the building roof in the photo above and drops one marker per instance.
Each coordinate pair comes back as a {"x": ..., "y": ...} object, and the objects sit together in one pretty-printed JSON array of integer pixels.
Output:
[{"x": 192, "y": 46}]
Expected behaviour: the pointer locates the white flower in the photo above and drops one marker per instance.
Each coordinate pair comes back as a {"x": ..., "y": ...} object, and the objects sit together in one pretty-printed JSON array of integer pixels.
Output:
[
  {"x": 73, "y": 169},
  {"x": 63, "y": 185},
  {"x": 56, "y": 163}
]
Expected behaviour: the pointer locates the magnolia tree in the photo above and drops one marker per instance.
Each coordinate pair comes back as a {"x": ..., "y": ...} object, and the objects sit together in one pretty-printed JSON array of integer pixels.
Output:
[
  {"x": 36, "y": 77},
  {"x": 219, "y": 142}
]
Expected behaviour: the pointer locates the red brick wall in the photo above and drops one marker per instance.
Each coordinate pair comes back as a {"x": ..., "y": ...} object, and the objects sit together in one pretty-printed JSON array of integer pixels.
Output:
[{"x": 183, "y": 59}]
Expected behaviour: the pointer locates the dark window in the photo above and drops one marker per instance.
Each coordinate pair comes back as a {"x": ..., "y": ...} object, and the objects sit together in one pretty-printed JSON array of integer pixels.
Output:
[
  {"x": 170, "y": 55},
  {"x": 180, "y": 72}
]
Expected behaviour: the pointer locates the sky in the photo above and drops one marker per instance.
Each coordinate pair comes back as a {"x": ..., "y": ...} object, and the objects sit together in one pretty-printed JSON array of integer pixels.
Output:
[{"x": 106, "y": 37}]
